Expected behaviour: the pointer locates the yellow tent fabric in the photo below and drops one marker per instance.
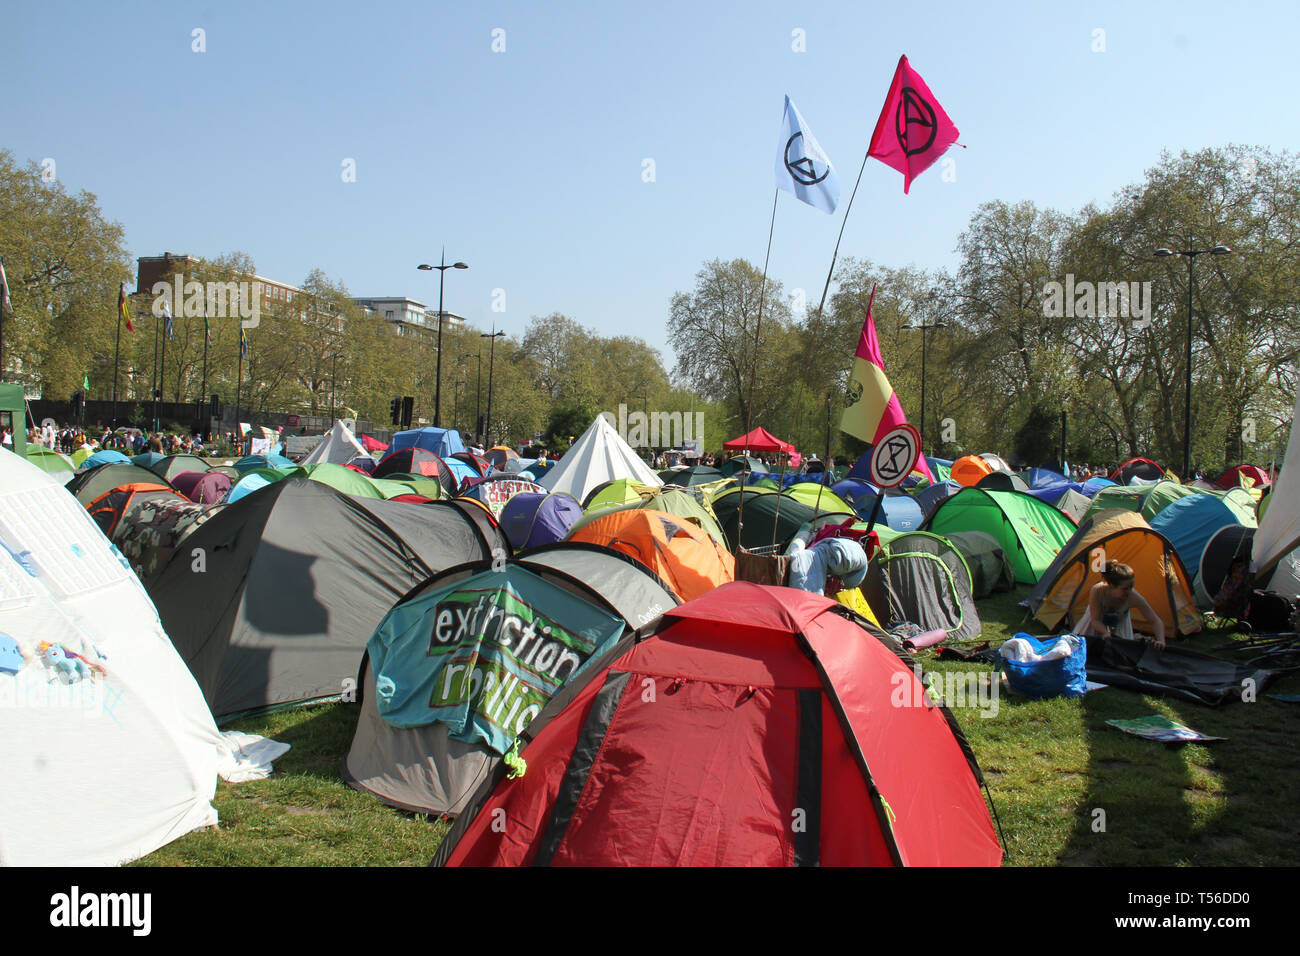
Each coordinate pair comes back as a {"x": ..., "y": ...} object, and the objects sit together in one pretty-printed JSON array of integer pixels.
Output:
[
  {"x": 1124, "y": 536},
  {"x": 852, "y": 599},
  {"x": 819, "y": 497}
]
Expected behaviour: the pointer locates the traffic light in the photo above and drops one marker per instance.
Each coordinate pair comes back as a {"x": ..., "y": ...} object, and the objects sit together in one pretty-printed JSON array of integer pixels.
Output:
[
  {"x": 408, "y": 409},
  {"x": 395, "y": 407}
]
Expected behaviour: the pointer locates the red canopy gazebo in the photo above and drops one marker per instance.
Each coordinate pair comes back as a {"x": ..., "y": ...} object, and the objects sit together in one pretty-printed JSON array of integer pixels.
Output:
[{"x": 760, "y": 439}]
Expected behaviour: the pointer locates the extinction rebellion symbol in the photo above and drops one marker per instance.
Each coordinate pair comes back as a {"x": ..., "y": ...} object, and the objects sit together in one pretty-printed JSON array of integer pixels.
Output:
[
  {"x": 913, "y": 110},
  {"x": 895, "y": 455},
  {"x": 802, "y": 169}
]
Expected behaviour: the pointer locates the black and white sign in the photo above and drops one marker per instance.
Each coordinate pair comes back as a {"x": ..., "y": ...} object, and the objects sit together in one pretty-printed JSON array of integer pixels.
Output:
[{"x": 895, "y": 456}]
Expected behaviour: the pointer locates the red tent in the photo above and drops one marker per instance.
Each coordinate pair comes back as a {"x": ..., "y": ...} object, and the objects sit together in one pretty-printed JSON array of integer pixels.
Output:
[
  {"x": 756, "y": 726},
  {"x": 760, "y": 439},
  {"x": 372, "y": 444},
  {"x": 1230, "y": 479}
]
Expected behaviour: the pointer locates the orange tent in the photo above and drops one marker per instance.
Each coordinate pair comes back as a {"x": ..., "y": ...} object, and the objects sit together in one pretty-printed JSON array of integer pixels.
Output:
[
  {"x": 969, "y": 470},
  {"x": 689, "y": 561}
]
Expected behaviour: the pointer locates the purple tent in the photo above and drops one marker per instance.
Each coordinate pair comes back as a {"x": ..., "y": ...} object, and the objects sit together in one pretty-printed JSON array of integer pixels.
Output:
[
  {"x": 529, "y": 520},
  {"x": 203, "y": 487}
]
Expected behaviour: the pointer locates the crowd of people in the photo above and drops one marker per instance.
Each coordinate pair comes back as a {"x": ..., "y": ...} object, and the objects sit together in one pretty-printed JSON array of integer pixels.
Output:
[{"x": 130, "y": 441}]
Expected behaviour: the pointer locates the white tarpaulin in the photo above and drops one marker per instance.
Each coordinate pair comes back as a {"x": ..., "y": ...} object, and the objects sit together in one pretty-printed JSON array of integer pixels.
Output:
[
  {"x": 1279, "y": 532},
  {"x": 600, "y": 455},
  {"x": 108, "y": 748}
]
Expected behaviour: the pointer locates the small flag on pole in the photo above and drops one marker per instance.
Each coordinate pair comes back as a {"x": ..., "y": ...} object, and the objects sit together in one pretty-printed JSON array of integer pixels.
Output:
[
  {"x": 6, "y": 305},
  {"x": 85, "y": 382},
  {"x": 124, "y": 308},
  {"x": 167, "y": 317},
  {"x": 802, "y": 166},
  {"x": 243, "y": 342},
  {"x": 207, "y": 330},
  {"x": 913, "y": 130},
  {"x": 872, "y": 407}
]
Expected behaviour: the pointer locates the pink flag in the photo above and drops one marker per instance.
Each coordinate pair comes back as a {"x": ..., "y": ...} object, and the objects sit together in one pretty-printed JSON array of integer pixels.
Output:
[{"x": 913, "y": 130}]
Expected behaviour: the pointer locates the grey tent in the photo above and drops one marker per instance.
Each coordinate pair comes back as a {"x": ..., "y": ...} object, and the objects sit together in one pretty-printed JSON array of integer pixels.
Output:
[
  {"x": 920, "y": 578},
  {"x": 990, "y": 571},
  {"x": 427, "y": 770},
  {"x": 1072, "y": 503},
  {"x": 173, "y": 465},
  {"x": 1002, "y": 481},
  {"x": 86, "y": 486},
  {"x": 286, "y": 586}
]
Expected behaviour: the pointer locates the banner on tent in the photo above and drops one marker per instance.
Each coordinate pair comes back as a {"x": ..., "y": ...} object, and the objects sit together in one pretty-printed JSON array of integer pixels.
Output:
[{"x": 483, "y": 658}]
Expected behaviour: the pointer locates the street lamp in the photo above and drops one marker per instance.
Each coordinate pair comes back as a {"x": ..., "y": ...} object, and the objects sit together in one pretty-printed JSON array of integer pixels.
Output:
[
  {"x": 1191, "y": 255},
  {"x": 437, "y": 387},
  {"x": 487, "y": 425},
  {"x": 924, "y": 328}
]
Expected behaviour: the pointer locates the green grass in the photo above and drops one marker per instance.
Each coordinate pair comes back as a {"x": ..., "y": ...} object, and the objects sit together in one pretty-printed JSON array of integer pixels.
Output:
[{"x": 1049, "y": 766}]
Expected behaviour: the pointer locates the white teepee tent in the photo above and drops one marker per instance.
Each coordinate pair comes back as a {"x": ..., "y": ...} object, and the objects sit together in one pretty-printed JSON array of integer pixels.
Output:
[
  {"x": 339, "y": 447},
  {"x": 600, "y": 455}
]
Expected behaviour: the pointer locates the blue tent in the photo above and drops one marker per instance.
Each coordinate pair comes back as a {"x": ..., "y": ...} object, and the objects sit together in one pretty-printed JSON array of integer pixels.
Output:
[
  {"x": 899, "y": 511},
  {"x": 148, "y": 459},
  {"x": 249, "y": 462},
  {"x": 1094, "y": 485},
  {"x": 1044, "y": 477},
  {"x": 1190, "y": 522},
  {"x": 106, "y": 457},
  {"x": 529, "y": 520},
  {"x": 443, "y": 442}
]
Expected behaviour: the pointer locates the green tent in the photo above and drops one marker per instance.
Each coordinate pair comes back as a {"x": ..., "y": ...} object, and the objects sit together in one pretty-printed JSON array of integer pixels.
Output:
[
  {"x": 343, "y": 479},
  {"x": 1147, "y": 500},
  {"x": 392, "y": 486},
  {"x": 49, "y": 461},
  {"x": 1031, "y": 532},
  {"x": 819, "y": 497},
  {"x": 770, "y": 517}
]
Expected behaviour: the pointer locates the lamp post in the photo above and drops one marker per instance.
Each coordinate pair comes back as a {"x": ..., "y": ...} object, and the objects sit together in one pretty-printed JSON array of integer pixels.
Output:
[
  {"x": 924, "y": 328},
  {"x": 437, "y": 386},
  {"x": 478, "y": 399},
  {"x": 1191, "y": 255},
  {"x": 487, "y": 425}
]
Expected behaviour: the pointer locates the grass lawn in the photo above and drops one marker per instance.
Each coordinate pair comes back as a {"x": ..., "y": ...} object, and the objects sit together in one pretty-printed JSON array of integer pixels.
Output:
[{"x": 1068, "y": 789}]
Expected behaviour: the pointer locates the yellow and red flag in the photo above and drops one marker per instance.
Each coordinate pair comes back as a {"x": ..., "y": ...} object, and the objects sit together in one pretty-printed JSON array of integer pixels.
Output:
[
  {"x": 124, "y": 308},
  {"x": 871, "y": 406}
]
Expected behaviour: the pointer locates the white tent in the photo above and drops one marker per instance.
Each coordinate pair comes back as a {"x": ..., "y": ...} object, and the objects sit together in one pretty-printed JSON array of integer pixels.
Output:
[
  {"x": 122, "y": 759},
  {"x": 339, "y": 447},
  {"x": 600, "y": 455},
  {"x": 1279, "y": 532}
]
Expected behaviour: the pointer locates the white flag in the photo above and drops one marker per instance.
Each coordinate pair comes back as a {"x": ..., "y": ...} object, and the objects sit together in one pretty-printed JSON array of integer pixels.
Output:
[{"x": 802, "y": 166}]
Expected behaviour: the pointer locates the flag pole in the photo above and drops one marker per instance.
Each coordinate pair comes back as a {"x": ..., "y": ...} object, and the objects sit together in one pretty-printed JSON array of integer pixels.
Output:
[
  {"x": 835, "y": 255},
  {"x": 749, "y": 404},
  {"x": 239, "y": 385},
  {"x": 117, "y": 351},
  {"x": 156, "y": 385},
  {"x": 162, "y": 373},
  {"x": 2, "y": 324}
]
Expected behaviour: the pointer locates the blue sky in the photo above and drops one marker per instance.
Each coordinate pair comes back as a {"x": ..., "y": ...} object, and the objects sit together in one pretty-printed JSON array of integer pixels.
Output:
[{"x": 529, "y": 163}]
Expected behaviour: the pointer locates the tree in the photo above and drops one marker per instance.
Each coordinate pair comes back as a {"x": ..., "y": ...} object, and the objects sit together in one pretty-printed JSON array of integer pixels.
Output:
[
  {"x": 714, "y": 331},
  {"x": 65, "y": 264}
]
